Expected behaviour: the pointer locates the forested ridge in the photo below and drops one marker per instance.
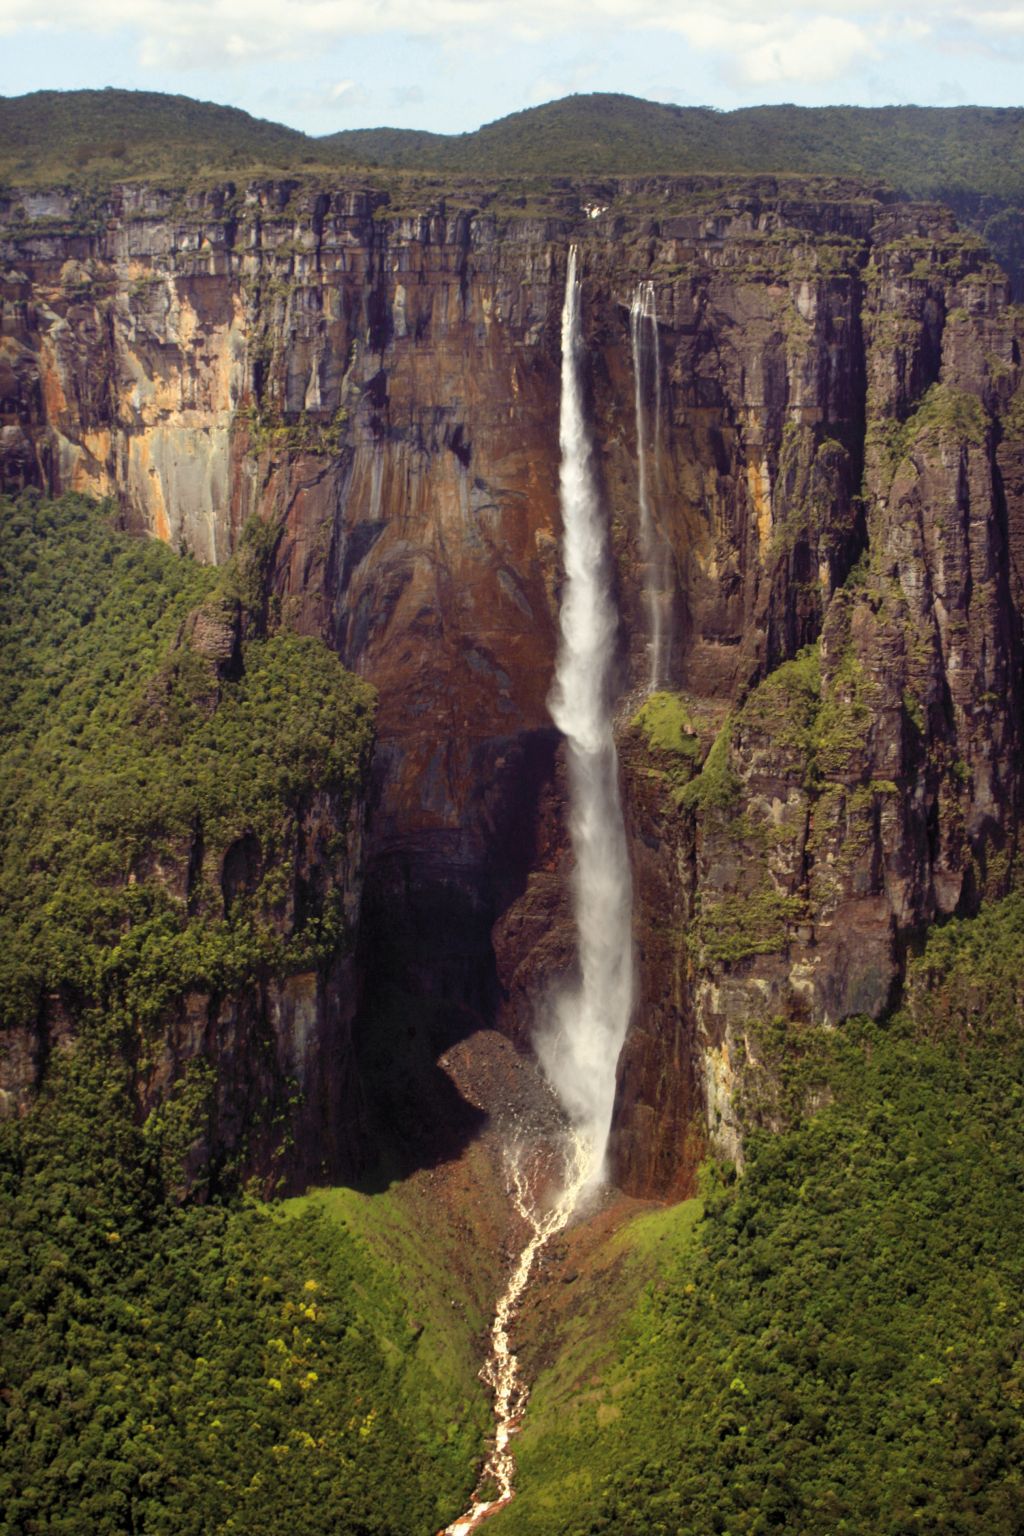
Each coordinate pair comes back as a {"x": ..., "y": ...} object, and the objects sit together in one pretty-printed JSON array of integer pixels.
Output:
[
  {"x": 922, "y": 151},
  {"x": 837, "y": 1345}
]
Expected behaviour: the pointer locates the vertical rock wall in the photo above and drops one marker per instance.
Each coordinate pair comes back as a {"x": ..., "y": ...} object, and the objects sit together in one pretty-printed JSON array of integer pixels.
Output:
[{"x": 840, "y": 468}]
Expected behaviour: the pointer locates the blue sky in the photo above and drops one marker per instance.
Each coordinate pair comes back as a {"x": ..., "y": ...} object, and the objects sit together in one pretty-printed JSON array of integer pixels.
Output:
[{"x": 450, "y": 65}]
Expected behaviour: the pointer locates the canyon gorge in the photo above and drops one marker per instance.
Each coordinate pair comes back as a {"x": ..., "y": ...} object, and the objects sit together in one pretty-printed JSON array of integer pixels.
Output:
[
  {"x": 802, "y": 400},
  {"x": 832, "y": 462}
]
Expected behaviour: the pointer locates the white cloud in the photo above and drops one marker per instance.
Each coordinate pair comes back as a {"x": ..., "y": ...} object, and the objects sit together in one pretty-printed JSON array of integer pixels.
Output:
[
  {"x": 805, "y": 42},
  {"x": 792, "y": 46},
  {"x": 1006, "y": 21},
  {"x": 811, "y": 53}
]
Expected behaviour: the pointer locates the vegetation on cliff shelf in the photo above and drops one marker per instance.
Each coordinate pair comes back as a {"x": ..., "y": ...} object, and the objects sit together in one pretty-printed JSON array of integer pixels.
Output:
[
  {"x": 131, "y": 763},
  {"x": 671, "y": 736},
  {"x": 272, "y": 432},
  {"x": 170, "y": 1369},
  {"x": 203, "y": 1370},
  {"x": 941, "y": 412},
  {"x": 666, "y": 721},
  {"x": 805, "y": 723},
  {"x": 785, "y": 706},
  {"x": 716, "y": 787},
  {"x": 747, "y": 923},
  {"x": 839, "y": 1347}
]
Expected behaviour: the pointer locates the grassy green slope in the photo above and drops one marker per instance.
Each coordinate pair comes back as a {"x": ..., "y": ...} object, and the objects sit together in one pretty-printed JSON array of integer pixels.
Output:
[
  {"x": 838, "y": 1347},
  {"x": 595, "y": 1363},
  {"x": 440, "y": 1343}
]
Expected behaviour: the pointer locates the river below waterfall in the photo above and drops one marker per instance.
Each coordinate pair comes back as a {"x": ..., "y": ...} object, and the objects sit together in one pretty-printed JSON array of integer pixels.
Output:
[{"x": 501, "y": 1370}]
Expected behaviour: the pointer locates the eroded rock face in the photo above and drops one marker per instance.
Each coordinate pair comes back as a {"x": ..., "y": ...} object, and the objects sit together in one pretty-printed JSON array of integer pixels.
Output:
[
  {"x": 381, "y": 389},
  {"x": 282, "y": 1048},
  {"x": 886, "y": 794},
  {"x": 268, "y": 1065}
]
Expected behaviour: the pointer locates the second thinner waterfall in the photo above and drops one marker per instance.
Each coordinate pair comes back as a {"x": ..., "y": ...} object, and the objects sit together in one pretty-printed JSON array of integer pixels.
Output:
[
  {"x": 579, "y": 1048},
  {"x": 643, "y": 333}
]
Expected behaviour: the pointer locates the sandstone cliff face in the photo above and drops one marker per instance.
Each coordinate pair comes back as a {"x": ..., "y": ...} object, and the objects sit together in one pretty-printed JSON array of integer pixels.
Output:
[
  {"x": 885, "y": 792},
  {"x": 839, "y": 464}
]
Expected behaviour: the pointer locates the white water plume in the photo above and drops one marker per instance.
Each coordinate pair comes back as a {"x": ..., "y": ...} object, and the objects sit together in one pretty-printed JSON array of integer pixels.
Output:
[
  {"x": 643, "y": 331},
  {"x": 579, "y": 1047}
]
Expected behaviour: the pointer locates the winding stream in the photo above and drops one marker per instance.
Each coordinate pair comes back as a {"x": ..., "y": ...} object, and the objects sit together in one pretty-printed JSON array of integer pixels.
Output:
[{"x": 501, "y": 1371}]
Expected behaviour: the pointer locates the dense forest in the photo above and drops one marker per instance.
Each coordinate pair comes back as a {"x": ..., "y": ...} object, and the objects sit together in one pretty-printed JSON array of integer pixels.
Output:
[
  {"x": 835, "y": 1340},
  {"x": 201, "y": 1368},
  {"x": 831, "y": 1342},
  {"x": 921, "y": 151},
  {"x": 175, "y": 1363},
  {"x": 123, "y": 744}
]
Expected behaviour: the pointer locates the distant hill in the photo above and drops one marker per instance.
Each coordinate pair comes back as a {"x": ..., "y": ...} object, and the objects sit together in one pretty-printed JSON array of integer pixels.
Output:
[
  {"x": 402, "y": 148},
  {"x": 944, "y": 152},
  {"x": 54, "y": 135},
  {"x": 969, "y": 157},
  {"x": 925, "y": 151}
]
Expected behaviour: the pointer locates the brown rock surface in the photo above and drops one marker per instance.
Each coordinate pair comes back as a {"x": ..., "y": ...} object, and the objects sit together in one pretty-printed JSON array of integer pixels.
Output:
[{"x": 380, "y": 384}]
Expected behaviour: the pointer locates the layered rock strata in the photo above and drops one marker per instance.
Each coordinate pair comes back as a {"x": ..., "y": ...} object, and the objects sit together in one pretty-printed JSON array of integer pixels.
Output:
[{"x": 373, "y": 371}]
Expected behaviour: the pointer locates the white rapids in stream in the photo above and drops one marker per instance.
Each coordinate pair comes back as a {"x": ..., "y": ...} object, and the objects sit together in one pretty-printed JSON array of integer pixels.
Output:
[
  {"x": 579, "y": 1044},
  {"x": 502, "y": 1369}
]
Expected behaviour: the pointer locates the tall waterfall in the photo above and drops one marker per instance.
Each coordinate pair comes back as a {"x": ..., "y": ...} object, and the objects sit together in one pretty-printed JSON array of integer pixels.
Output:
[
  {"x": 643, "y": 330},
  {"x": 580, "y": 1047}
]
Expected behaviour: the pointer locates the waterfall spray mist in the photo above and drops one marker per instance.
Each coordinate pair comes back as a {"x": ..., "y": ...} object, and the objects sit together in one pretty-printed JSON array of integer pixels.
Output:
[
  {"x": 643, "y": 331},
  {"x": 579, "y": 1048}
]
